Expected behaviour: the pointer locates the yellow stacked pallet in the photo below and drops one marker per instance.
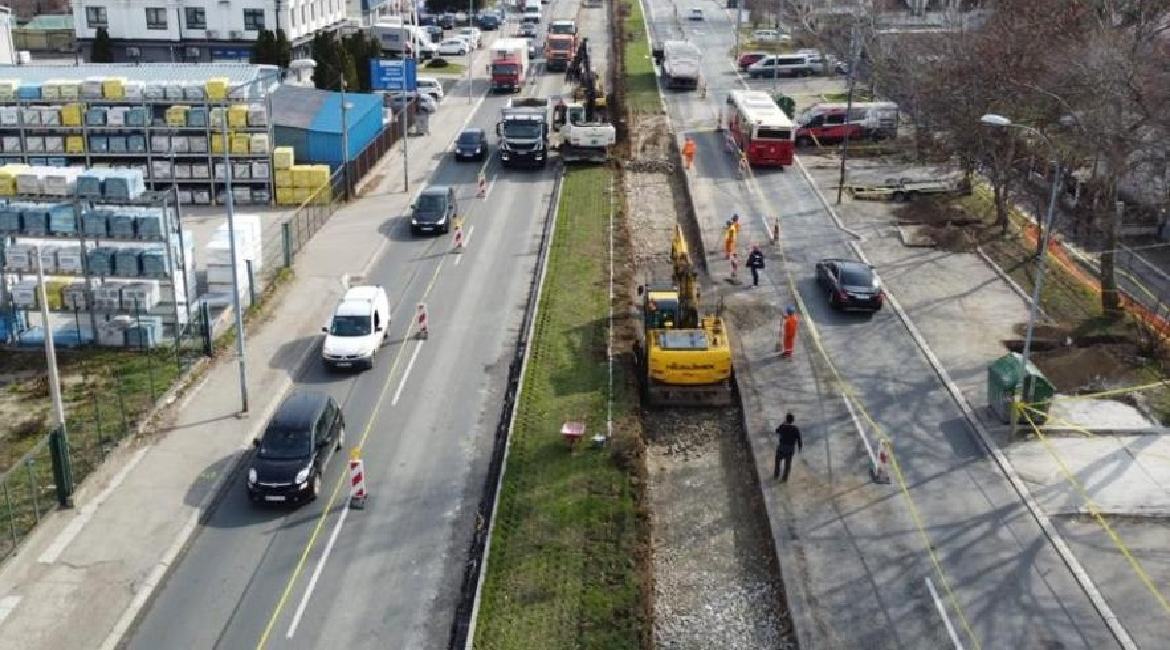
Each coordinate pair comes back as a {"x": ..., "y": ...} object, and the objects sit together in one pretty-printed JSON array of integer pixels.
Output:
[
  {"x": 323, "y": 195},
  {"x": 318, "y": 176},
  {"x": 302, "y": 194},
  {"x": 301, "y": 175},
  {"x": 217, "y": 142},
  {"x": 237, "y": 116},
  {"x": 283, "y": 178},
  {"x": 8, "y": 178},
  {"x": 74, "y": 144},
  {"x": 217, "y": 88},
  {"x": 177, "y": 115},
  {"x": 240, "y": 143},
  {"x": 282, "y": 157},
  {"x": 114, "y": 88},
  {"x": 71, "y": 114},
  {"x": 286, "y": 196},
  {"x": 54, "y": 293},
  {"x": 8, "y": 89}
]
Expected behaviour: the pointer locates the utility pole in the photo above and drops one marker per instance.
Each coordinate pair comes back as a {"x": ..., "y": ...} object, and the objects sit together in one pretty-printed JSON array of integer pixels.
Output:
[
  {"x": 345, "y": 140},
  {"x": 229, "y": 203},
  {"x": 854, "y": 54},
  {"x": 738, "y": 22},
  {"x": 470, "y": 22}
]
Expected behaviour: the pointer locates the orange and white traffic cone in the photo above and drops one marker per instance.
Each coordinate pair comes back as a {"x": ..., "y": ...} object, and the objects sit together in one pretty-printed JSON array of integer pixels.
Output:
[
  {"x": 482, "y": 192},
  {"x": 881, "y": 471},
  {"x": 423, "y": 321},
  {"x": 357, "y": 480},
  {"x": 458, "y": 237}
]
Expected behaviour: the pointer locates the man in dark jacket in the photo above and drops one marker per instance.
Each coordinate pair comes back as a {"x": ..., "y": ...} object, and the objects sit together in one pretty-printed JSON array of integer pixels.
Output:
[
  {"x": 788, "y": 441},
  {"x": 755, "y": 262}
]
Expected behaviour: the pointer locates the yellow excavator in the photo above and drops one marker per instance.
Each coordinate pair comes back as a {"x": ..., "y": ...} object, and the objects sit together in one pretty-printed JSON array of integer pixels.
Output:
[{"x": 686, "y": 356}]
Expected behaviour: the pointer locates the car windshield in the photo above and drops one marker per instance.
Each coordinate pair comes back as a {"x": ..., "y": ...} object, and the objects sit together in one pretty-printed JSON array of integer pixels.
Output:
[
  {"x": 285, "y": 443},
  {"x": 523, "y": 130},
  {"x": 855, "y": 276},
  {"x": 350, "y": 326},
  {"x": 506, "y": 68},
  {"x": 430, "y": 204},
  {"x": 468, "y": 137}
]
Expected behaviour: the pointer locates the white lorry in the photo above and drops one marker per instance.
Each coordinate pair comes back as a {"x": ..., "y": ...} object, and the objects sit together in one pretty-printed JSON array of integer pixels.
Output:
[
  {"x": 681, "y": 64},
  {"x": 359, "y": 327},
  {"x": 582, "y": 140},
  {"x": 401, "y": 39}
]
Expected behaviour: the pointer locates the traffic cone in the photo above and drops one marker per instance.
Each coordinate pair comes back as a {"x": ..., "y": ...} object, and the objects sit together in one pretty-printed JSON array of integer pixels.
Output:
[
  {"x": 458, "y": 237},
  {"x": 482, "y": 192},
  {"x": 881, "y": 471},
  {"x": 423, "y": 321},
  {"x": 357, "y": 480}
]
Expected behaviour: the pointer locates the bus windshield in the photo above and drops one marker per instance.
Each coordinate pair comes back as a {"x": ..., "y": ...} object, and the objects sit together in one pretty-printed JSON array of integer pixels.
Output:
[{"x": 772, "y": 133}]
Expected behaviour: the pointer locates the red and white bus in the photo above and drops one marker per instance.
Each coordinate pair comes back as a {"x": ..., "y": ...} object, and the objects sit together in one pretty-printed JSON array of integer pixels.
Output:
[{"x": 760, "y": 129}]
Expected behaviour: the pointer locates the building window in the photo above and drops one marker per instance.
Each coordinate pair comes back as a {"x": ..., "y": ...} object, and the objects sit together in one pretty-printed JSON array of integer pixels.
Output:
[
  {"x": 96, "y": 17},
  {"x": 304, "y": 15},
  {"x": 313, "y": 12},
  {"x": 196, "y": 18},
  {"x": 156, "y": 18},
  {"x": 253, "y": 20}
]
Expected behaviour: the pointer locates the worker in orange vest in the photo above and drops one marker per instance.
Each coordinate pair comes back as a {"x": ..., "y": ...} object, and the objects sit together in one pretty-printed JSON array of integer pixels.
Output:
[
  {"x": 688, "y": 151},
  {"x": 789, "y": 332},
  {"x": 730, "y": 235}
]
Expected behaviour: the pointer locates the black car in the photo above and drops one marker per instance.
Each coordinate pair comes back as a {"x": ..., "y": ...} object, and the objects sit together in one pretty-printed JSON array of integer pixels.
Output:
[
  {"x": 488, "y": 21},
  {"x": 304, "y": 433},
  {"x": 850, "y": 284},
  {"x": 427, "y": 19},
  {"x": 471, "y": 144},
  {"x": 447, "y": 20},
  {"x": 434, "y": 210}
]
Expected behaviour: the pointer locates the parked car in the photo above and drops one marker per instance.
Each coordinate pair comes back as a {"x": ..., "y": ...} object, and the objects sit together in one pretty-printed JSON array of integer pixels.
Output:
[
  {"x": 299, "y": 440},
  {"x": 435, "y": 32},
  {"x": 461, "y": 18},
  {"x": 770, "y": 36},
  {"x": 696, "y": 14},
  {"x": 358, "y": 328},
  {"x": 748, "y": 58},
  {"x": 434, "y": 210},
  {"x": 454, "y": 47},
  {"x": 782, "y": 65},
  {"x": 850, "y": 284},
  {"x": 396, "y": 101},
  {"x": 447, "y": 20},
  {"x": 431, "y": 86},
  {"x": 472, "y": 144},
  {"x": 474, "y": 36},
  {"x": 527, "y": 30}
]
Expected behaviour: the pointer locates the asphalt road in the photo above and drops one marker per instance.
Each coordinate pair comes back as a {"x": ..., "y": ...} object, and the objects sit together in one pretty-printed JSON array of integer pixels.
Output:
[
  {"x": 429, "y": 409},
  {"x": 1008, "y": 581}
]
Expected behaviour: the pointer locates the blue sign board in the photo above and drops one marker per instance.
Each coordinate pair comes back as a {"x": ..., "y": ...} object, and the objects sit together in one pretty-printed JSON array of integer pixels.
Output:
[{"x": 399, "y": 74}]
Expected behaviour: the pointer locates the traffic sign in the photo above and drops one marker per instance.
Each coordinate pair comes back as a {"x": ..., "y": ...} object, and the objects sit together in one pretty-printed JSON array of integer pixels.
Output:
[{"x": 394, "y": 74}]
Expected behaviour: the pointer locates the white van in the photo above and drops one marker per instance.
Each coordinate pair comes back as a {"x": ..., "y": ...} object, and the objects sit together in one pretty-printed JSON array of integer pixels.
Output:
[
  {"x": 782, "y": 65},
  {"x": 360, "y": 325}
]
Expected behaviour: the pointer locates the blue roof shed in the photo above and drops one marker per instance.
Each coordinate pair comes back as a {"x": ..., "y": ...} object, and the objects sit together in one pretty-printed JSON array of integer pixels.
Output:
[{"x": 309, "y": 121}]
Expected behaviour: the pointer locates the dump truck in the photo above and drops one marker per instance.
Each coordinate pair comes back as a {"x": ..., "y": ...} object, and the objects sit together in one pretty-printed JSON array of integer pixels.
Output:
[
  {"x": 509, "y": 64},
  {"x": 681, "y": 64},
  {"x": 523, "y": 132},
  {"x": 685, "y": 356}
]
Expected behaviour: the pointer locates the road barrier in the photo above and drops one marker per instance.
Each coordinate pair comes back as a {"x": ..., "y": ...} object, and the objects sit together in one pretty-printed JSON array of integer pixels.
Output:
[
  {"x": 881, "y": 469},
  {"x": 357, "y": 480},
  {"x": 423, "y": 322}
]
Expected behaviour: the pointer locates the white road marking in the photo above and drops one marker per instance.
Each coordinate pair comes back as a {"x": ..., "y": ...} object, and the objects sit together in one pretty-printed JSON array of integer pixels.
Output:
[
  {"x": 406, "y": 374},
  {"x": 860, "y": 429},
  {"x": 296, "y": 620},
  {"x": 466, "y": 241},
  {"x": 86, "y": 512},
  {"x": 943, "y": 612},
  {"x": 7, "y": 604}
]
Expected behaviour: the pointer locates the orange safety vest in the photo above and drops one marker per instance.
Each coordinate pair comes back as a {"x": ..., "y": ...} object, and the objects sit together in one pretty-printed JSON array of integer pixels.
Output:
[{"x": 689, "y": 148}]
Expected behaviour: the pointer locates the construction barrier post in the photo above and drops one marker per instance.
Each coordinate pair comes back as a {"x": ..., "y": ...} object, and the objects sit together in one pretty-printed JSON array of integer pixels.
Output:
[
  {"x": 776, "y": 231},
  {"x": 482, "y": 192},
  {"x": 719, "y": 119},
  {"x": 881, "y": 471},
  {"x": 357, "y": 480},
  {"x": 423, "y": 322},
  {"x": 458, "y": 237}
]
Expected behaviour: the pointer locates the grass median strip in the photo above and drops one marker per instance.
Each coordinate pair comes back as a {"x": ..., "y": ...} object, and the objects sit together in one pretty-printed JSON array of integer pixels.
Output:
[
  {"x": 641, "y": 87},
  {"x": 564, "y": 569}
]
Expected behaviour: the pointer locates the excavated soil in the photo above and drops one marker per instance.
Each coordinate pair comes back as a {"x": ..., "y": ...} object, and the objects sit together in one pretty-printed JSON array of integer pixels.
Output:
[{"x": 716, "y": 581}]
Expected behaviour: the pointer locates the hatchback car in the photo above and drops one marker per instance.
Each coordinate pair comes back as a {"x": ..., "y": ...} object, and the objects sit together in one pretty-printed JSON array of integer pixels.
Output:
[
  {"x": 453, "y": 47},
  {"x": 300, "y": 438},
  {"x": 431, "y": 86},
  {"x": 850, "y": 285},
  {"x": 748, "y": 58},
  {"x": 434, "y": 210},
  {"x": 471, "y": 144}
]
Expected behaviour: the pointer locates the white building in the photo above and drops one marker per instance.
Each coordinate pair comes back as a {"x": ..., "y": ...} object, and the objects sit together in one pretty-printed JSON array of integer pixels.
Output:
[{"x": 199, "y": 30}]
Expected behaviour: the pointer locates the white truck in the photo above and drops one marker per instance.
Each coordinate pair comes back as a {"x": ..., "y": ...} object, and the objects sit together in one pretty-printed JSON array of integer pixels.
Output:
[
  {"x": 359, "y": 327},
  {"x": 582, "y": 140},
  {"x": 523, "y": 132},
  {"x": 509, "y": 64},
  {"x": 401, "y": 39},
  {"x": 681, "y": 64}
]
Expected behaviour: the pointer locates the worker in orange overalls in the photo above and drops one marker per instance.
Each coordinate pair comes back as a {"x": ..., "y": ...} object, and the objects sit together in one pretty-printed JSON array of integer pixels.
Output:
[
  {"x": 789, "y": 332},
  {"x": 688, "y": 151},
  {"x": 730, "y": 235}
]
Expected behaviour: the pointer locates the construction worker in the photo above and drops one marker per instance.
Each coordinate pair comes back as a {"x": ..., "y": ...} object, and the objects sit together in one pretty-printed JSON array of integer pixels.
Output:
[
  {"x": 789, "y": 332},
  {"x": 755, "y": 262},
  {"x": 735, "y": 223},
  {"x": 688, "y": 152},
  {"x": 729, "y": 237}
]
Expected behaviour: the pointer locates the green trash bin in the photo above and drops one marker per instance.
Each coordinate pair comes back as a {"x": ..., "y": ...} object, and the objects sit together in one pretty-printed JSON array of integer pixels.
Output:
[{"x": 1003, "y": 383}]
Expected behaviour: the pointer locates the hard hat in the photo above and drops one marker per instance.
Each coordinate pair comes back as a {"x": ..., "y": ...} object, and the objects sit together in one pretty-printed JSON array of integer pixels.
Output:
[{"x": 790, "y": 310}]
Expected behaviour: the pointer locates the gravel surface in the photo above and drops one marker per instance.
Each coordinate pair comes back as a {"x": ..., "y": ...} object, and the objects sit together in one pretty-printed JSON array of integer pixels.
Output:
[{"x": 717, "y": 584}]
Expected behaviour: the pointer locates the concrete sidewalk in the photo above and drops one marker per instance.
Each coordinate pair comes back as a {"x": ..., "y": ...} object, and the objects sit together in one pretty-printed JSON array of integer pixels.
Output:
[{"x": 83, "y": 575}]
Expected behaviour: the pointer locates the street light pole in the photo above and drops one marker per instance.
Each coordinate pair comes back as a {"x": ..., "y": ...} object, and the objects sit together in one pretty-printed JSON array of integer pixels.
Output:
[
  {"x": 345, "y": 140},
  {"x": 738, "y": 22},
  {"x": 470, "y": 9},
  {"x": 1000, "y": 121}
]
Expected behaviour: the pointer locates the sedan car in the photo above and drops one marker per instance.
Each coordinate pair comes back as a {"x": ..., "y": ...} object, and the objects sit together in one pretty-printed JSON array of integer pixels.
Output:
[
  {"x": 431, "y": 86},
  {"x": 453, "y": 47},
  {"x": 850, "y": 285},
  {"x": 472, "y": 144},
  {"x": 527, "y": 30},
  {"x": 696, "y": 14},
  {"x": 300, "y": 438}
]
